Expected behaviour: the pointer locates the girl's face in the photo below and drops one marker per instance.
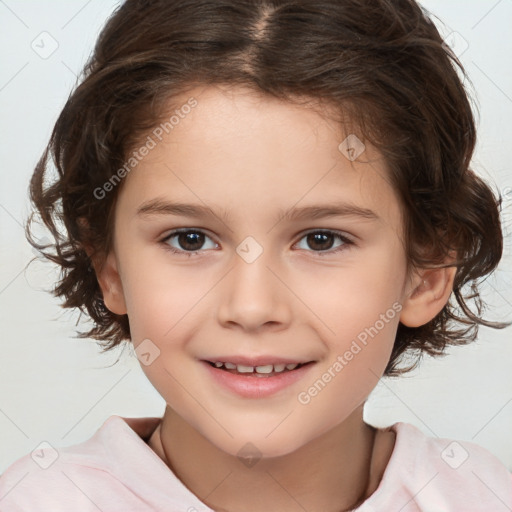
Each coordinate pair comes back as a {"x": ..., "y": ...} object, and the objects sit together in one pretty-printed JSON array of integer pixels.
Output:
[{"x": 293, "y": 254}]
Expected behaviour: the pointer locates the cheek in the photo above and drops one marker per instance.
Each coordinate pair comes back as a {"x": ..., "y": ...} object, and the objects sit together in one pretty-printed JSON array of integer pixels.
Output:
[
  {"x": 357, "y": 356},
  {"x": 359, "y": 310},
  {"x": 161, "y": 297},
  {"x": 358, "y": 295}
]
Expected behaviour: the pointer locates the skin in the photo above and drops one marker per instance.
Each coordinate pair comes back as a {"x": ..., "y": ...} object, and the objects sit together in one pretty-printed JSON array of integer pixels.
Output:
[{"x": 253, "y": 155}]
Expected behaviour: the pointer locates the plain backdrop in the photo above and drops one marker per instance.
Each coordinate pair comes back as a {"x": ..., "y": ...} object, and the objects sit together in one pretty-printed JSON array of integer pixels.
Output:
[{"x": 57, "y": 388}]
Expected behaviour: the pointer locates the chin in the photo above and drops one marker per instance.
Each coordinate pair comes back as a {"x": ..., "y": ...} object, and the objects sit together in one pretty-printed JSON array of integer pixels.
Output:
[
  {"x": 248, "y": 450},
  {"x": 262, "y": 443}
]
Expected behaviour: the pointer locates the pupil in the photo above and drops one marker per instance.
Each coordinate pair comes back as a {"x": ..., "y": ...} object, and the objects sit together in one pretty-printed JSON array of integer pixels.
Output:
[
  {"x": 187, "y": 239},
  {"x": 319, "y": 238}
]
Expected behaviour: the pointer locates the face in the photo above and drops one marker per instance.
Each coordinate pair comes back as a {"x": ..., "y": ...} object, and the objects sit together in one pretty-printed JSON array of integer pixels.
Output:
[{"x": 300, "y": 260}]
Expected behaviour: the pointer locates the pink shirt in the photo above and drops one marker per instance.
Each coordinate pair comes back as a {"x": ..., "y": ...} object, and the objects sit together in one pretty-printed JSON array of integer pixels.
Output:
[{"x": 115, "y": 470}]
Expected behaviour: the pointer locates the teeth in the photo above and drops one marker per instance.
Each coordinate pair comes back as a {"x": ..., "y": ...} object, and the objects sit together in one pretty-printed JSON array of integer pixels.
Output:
[
  {"x": 269, "y": 368},
  {"x": 243, "y": 369},
  {"x": 264, "y": 369}
]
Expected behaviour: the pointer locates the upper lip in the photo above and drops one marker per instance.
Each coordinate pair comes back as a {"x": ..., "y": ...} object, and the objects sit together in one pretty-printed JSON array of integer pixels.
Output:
[{"x": 256, "y": 360}]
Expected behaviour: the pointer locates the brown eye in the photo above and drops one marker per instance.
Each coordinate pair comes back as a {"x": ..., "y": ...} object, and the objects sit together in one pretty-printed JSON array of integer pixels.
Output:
[
  {"x": 320, "y": 241},
  {"x": 187, "y": 241},
  {"x": 324, "y": 241},
  {"x": 190, "y": 241}
]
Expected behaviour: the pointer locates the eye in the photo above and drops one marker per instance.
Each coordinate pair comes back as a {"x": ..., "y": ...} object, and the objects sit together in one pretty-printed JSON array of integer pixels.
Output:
[
  {"x": 323, "y": 241},
  {"x": 189, "y": 241}
]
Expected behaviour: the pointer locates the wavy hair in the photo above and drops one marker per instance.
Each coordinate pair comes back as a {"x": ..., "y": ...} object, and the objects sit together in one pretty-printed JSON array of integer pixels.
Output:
[{"x": 382, "y": 63}]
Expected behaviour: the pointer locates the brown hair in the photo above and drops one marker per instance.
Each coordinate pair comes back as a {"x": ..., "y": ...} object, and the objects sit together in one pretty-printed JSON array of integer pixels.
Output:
[{"x": 381, "y": 62}]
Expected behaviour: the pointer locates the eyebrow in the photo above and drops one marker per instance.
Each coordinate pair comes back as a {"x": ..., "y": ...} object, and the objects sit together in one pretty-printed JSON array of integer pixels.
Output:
[{"x": 162, "y": 207}]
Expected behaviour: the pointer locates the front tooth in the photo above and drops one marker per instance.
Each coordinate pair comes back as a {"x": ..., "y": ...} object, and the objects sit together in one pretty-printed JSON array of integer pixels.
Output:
[
  {"x": 279, "y": 367},
  {"x": 230, "y": 366},
  {"x": 218, "y": 365},
  {"x": 264, "y": 369},
  {"x": 244, "y": 369},
  {"x": 291, "y": 366}
]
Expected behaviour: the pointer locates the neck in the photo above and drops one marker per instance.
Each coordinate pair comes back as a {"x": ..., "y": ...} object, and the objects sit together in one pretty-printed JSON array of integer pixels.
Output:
[{"x": 334, "y": 472}]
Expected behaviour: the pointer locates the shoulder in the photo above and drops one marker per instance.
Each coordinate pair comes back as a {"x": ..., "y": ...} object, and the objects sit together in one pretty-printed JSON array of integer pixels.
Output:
[
  {"x": 79, "y": 477},
  {"x": 429, "y": 473},
  {"x": 52, "y": 479},
  {"x": 28, "y": 486}
]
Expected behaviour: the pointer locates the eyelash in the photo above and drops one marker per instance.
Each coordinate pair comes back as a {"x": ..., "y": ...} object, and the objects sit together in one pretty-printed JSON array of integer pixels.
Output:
[{"x": 346, "y": 241}]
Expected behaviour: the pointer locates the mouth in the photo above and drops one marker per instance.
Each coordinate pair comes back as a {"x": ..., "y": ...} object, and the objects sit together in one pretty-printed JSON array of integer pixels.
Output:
[
  {"x": 257, "y": 377},
  {"x": 263, "y": 380},
  {"x": 266, "y": 370}
]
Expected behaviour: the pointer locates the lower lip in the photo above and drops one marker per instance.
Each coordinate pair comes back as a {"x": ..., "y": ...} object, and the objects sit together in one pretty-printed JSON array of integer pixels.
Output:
[{"x": 252, "y": 386}]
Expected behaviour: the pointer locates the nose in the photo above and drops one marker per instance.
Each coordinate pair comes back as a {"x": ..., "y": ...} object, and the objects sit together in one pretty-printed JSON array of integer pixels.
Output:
[{"x": 253, "y": 296}]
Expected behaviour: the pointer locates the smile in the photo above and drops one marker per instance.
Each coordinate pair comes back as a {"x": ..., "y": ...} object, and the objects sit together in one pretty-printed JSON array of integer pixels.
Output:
[
  {"x": 264, "y": 370},
  {"x": 256, "y": 381}
]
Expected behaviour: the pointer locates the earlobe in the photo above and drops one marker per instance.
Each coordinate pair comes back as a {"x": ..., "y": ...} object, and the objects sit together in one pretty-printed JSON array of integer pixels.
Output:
[
  {"x": 430, "y": 292},
  {"x": 111, "y": 286}
]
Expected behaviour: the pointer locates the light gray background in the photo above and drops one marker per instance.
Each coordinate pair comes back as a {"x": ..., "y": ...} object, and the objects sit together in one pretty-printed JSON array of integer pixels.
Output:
[{"x": 59, "y": 389}]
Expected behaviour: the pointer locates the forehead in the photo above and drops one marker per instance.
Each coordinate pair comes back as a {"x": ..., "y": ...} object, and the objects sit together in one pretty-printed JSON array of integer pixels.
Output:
[{"x": 252, "y": 152}]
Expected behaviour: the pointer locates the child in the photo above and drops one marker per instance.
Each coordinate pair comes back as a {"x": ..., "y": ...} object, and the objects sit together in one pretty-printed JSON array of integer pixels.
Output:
[{"x": 320, "y": 152}]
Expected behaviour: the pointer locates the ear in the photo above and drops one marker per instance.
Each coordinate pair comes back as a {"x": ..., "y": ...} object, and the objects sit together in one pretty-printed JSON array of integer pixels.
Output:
[
  {"x": 110, "y": 283},
  {"x": 107, "y": 274},
  {"x": 429, "y": 292}
]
